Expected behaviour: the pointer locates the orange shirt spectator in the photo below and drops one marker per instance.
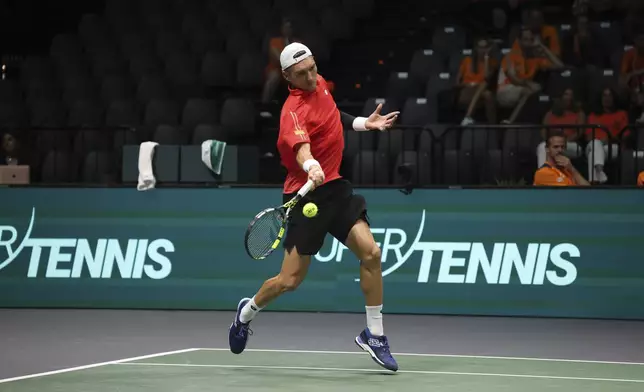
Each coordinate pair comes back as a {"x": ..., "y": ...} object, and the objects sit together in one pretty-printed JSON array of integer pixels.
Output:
[
  {"x": 524, "y": 68},
  {"x": 548, "y": 35},
  {"x": 548, "y": 175},
  {"x": 632, "y": 61},
  {"x": 614, "y": 121},
  {"x": 567, "y": 118},
  {"x": 471, "y": 74},
  {"x": 640, "y": 179}
]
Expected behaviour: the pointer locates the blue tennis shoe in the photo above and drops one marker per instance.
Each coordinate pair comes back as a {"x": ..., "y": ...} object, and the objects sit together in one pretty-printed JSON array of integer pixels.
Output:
[
  {"x": 238, "y": 332},
  {"x": 378, "y": 348}
]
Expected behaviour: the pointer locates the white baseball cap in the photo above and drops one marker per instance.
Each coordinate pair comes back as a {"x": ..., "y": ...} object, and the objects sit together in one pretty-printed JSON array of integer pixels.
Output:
[{"x": 293, "y": 54}]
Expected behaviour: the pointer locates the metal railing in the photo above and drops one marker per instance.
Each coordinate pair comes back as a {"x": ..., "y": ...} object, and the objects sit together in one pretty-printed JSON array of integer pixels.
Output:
[{"x": 407, "y": 157}]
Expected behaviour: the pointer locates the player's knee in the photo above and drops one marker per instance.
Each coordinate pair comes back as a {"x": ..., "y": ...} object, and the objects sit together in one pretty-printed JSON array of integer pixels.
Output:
[
  {"x": 289, "y": 282},
  {"x": 371, "y": 259}
]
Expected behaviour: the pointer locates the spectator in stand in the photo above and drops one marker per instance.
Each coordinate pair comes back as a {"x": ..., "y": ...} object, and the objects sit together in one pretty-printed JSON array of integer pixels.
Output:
[
  {"x": 615, "y": 120},
  {"x": 565, "y": 111},
  {"x": 473, "y": 77},
  {"x": 581, "y": 48},
  {"x": 558, "y": 170},
  {"x": 518, "y": 69},
  {"x": 640, "y": 179},
  {"x": 631, "y": 78},
  {"x": 543, "y": 33},
  {"x": 273, "y": 70}
]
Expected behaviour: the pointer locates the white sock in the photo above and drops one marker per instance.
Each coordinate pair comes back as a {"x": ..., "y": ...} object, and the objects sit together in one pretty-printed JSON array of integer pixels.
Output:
[
  {"x": 374, "y": 320},
  {"x": 249, "y": 311}
]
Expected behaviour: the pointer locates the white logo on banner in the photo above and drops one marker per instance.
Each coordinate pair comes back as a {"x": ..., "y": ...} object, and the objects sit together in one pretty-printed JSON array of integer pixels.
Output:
[
  {"x": 461, "y": 262},
  {"x": 70, "y": 257}
]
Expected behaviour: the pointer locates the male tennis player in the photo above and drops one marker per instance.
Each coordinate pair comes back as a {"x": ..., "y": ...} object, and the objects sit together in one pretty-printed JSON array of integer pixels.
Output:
[{"x": 311, "y": 142}]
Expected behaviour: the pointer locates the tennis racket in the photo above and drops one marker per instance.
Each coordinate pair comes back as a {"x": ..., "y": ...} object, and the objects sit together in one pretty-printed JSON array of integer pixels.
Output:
[{"x": 266, "y": 230}]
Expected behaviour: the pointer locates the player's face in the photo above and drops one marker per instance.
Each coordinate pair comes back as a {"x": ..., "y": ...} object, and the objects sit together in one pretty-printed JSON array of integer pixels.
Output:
[{"x": 303, "y": 75}]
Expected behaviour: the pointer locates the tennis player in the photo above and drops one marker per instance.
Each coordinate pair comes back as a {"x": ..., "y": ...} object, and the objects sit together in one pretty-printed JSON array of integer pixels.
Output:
[{"x": 310, "y": 143}]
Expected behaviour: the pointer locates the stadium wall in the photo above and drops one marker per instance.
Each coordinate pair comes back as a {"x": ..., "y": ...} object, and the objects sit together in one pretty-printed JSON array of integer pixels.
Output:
[{"x": 523, "y": 252}]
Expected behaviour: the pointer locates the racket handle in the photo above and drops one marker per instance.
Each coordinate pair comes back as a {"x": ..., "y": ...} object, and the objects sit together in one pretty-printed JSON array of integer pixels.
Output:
[{"x": 306, "y": 188}]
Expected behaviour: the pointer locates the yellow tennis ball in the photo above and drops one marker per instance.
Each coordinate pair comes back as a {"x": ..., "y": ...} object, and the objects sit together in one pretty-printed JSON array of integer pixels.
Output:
[{"x": 310, "y": 210}]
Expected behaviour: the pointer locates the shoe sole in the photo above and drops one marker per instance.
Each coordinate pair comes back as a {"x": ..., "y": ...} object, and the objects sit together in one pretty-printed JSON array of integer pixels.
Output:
[
  {"x": 365, "y": 347},
  {"x": 233, "y": 324}
]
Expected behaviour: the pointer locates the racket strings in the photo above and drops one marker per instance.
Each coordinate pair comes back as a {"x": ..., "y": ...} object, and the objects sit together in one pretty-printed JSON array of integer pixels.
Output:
[{"x": 264, "y": 232}]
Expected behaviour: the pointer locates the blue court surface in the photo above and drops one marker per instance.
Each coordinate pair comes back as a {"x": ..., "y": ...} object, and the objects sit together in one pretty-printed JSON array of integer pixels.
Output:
[{"x": 100, "y": 351}]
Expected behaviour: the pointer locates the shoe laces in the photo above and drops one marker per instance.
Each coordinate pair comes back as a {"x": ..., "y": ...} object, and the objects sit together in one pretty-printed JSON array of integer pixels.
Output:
[{"x": 244, "y": 330}]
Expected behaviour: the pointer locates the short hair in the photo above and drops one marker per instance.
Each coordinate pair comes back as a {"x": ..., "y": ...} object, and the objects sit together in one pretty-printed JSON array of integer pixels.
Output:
[{"x": 553, "y": 133}]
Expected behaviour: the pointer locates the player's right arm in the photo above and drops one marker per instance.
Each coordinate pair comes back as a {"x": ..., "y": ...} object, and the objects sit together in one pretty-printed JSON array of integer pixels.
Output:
[{"x": 294, "y": 133}]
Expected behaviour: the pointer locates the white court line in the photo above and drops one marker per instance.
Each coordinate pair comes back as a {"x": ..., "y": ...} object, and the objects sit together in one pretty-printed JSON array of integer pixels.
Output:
[
  {"x": 73, "y": 369},
  {"x": 382, "y": 371},
  {"x": 431, "y": 355}
]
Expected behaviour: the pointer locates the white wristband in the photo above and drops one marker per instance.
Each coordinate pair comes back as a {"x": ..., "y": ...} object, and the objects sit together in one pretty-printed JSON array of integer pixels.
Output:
[
  {"x": 308, "y": 163},
  {"x": 359, "y": 124}
]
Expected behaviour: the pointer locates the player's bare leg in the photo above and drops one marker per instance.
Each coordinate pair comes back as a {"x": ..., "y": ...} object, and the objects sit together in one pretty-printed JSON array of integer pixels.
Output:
[
  {"x": 293, "y": 272},
  {"x": 294, "y": 269},
  {"x": 373, "y": 340},
  {"x": 361, "y": 242}
]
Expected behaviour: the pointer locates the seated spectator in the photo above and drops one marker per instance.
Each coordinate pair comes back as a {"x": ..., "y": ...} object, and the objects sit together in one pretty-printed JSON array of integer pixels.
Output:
[
  {"x": 473, "y": 77},
  {"x": 558, "y": 170},
  {"x": 565, "y": 111},
  {"x": 543, "y": 33},
  {"x": 582, "y": 46},
  {"x": 632, "y": 74},
  {"x": 615, "y": 120},
  {"x": 273, "y": 69},
  {"x": 640, "y": 179},
  {"x": 518, "y": 69}
]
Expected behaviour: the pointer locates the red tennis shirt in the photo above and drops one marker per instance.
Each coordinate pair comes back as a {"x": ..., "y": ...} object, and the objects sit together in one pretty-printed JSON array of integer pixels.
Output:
[{"x": 310, "y": 117}]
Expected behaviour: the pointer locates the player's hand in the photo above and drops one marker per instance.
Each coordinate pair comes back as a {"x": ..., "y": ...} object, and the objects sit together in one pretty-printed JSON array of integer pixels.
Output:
[
  {"x": 379, "y": 122},
  {"x": 316, "y": 175},
  {"x": 563, "y": 161}
]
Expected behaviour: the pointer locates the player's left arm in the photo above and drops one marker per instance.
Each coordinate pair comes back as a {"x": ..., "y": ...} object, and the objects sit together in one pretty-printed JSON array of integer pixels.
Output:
[{"x": 375, "y": 121}]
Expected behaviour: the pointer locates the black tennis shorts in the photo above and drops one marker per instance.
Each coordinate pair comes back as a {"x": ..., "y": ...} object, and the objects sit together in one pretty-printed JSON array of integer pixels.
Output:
[{"x": 338, "y": 211}]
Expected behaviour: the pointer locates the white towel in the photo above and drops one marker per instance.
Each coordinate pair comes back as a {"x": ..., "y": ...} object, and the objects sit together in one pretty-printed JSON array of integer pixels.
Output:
[{"x": 146, "y": 174}]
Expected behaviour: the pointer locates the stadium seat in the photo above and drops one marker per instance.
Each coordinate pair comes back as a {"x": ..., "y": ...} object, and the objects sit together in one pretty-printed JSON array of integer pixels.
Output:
[
  {"x": 168, "y": 43},
  {"x": 238, "y": 118},
  {"x": 336, "y": 24},
  {"x": 370, "y": 105},
  {"x": 199, "y": 111},
  {"x": 559, "y": 81},
  {"x": 161, "y": 112},
  {"x": 85, "y": 113},
  {"x": 412, "y": 167},
  {"x": 141, "y": 64},
  {"x": 80, "y": 88},
  {"x": 45, "y": 113},
  {"x": 448, "y": 37},
  {"x": 218, "y": 70},
  {"x": 631, "y": 164},
  {"x": 424, "y": 63},
  {"x": 152, "y": 87},
  {"x": 478, "y": 141},
  {"x": 370, "y": 168},
  {"x": 114, "y": 88},
  {"x": 355, "y": 142},
  {"x": 358, "y": 8},
  {"x": 133, "y": 44},
  {"x": 123, "y": 113},
  {"x": 168, "y": 135},
  {"x": 203, "y": 132},
  {"x": 395, "y": 140},
  {"x": 458, "y": 168},
  {"x": 10, "y": 91},
  {"x": 99, "y": 167},
  {"x": 239, "y": 42},
  {"x": 417, "y": 112},
  {"x": 400, "y": 86},
  {"x": 250, "y": 70},
  {"x": 598, "y": 80},
  {"x": 92, "y": 140},
  {"x": 59, "y": 167},
  {"x": 42, "y": 89}
]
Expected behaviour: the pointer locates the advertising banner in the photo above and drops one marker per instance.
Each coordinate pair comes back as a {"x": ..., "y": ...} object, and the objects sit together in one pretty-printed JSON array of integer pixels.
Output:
[{"x": 524, "y": 252}]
